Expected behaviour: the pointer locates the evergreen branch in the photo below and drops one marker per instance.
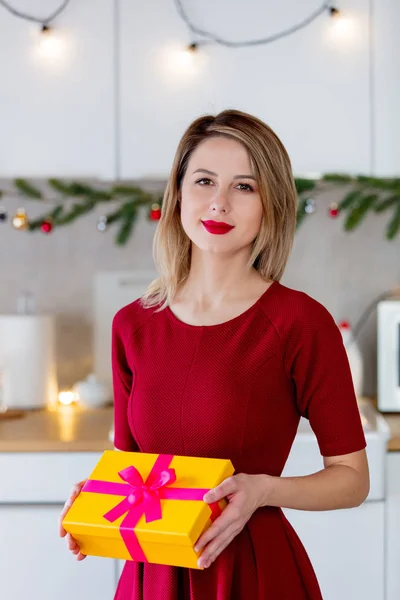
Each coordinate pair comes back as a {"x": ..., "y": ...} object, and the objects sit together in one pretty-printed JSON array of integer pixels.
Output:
[
  {"x": 52, "y": 216},
  {"x": 304, "y": 185},
  {"x": 359, "y": 211},
  {"x": 26, "y": 189},
  {"x": 79, "y": 189},
  {"x": 350, "y": 199},
  {"x": 393, "y": 226},
  {"x": 337, "y": 178},
  {"x": 379, "y": 183},
  {"x": 386, "y": 203},
  {"x": 128, "y": 219},
  {"x": 366, "y": 194}
]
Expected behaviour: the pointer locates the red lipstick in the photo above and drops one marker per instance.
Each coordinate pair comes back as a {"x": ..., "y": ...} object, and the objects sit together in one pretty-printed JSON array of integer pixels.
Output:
[{"x": 217, "y": 227}]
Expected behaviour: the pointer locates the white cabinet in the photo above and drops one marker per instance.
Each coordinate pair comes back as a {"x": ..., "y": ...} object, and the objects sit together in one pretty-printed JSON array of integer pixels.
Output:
[
  {"x": 346, "y": 549},
  {"x": 392, "y": 526},
  {"x": 35, "y": 563}
]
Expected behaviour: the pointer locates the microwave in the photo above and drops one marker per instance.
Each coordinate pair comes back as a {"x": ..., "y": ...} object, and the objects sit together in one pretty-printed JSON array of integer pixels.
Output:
[{"x": 388, "y": 355}]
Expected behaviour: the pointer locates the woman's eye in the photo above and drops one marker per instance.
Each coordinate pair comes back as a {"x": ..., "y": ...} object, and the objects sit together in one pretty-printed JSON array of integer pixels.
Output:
[
  {"x": 249, "y": 188},
  {"x": 246, "y": 185}
]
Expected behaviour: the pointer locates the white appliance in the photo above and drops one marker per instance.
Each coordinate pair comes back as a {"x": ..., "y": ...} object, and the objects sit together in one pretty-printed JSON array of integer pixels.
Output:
[
  {"x": 112, "y": 291},
  {"x": 388, "y": 312},
  {"x": 28, "y": 361}
]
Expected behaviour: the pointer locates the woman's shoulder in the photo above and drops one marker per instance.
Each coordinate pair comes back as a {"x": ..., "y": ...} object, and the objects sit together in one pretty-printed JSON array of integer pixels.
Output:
[
  {"x": 132, "y": 316},
  {"x": 289, "y": 306}
]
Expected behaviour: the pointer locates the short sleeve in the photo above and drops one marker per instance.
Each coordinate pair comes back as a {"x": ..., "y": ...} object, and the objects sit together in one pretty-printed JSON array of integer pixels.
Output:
[
  {"x": 323, "y": 383},
  {"x": 122, "y": 385}
]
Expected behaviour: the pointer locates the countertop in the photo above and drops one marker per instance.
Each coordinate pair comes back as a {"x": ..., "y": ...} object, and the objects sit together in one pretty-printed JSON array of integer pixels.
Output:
[
  {"x": 65, "y": 429},
  {"x": 76, "y": 429}
]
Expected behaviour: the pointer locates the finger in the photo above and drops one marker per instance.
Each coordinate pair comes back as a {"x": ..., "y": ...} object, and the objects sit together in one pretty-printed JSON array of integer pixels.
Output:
[
  {"x": 72, "y": 543},
  {"x": 75, "y": 491},
  {"x": 214, "y": 549},
  {"x": 228, "y": 486},
  {"x": 80, "y": 556},
  {"x": 62, "y": 532},
  {"x": 227, "y": 518}
]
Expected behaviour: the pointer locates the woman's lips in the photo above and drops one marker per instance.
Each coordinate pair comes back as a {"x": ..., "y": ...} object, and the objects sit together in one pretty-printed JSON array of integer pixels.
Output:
[{"x": 217, "y": 228}]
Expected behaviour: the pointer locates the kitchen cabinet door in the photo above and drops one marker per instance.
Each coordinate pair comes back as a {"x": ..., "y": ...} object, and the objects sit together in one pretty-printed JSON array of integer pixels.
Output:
[
  {"x": 35, "y": 563},
  {"x": 346, "y": 548},
  {"x": 392, "y": 528}
]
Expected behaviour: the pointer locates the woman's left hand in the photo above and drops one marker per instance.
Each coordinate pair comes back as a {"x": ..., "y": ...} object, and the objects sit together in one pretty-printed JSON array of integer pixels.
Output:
[{"x": 243, "y": 493}]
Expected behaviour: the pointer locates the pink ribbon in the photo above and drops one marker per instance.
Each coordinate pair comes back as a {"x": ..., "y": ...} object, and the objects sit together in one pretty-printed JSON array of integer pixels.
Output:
[{"x": 144, "y": 497}]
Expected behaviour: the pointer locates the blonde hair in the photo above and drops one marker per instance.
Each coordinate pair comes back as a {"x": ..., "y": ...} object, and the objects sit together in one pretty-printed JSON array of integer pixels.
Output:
[{"x": 273, "y": 171}]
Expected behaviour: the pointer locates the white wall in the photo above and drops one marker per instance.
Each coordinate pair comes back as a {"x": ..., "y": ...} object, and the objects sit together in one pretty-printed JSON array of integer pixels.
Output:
[
  {"x": 314, "y": 88},
  {"x": 313, "y": 92},
  {"x": 386, "y": 62},
  {"x": 57, "y": 116}
]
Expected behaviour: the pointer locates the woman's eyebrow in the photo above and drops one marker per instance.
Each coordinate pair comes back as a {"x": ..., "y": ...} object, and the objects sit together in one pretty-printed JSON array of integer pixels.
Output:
[{"x": 216, "y": 175}]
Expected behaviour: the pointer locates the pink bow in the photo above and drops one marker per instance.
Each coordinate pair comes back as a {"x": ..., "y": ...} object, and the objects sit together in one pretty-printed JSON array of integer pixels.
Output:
[{"x": 140, "y": 492}]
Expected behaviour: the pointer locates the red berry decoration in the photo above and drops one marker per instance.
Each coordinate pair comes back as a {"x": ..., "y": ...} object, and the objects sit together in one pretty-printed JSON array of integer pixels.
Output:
[
  {"x": 333, "y": 210},
  {"x": 46, "y": 226},
  {"x": 155, "y": 213}
]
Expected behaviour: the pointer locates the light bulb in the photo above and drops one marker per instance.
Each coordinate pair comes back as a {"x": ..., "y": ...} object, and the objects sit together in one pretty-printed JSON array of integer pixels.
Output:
[
  {"x": 342, "y": 31},
  {"x": 51, "y": 46},
  {"x": 66, "y": 397},
  {"x": 179, "y": 63}
]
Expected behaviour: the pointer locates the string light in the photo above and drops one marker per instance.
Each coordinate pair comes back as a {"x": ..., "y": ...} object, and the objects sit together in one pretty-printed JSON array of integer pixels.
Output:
[
  {"x": 52, "y": 45},
  {"x": 334, "y": 11},
  {"x": 325, "y": 7},
  {"x": 46, "y": 29},
  {"x": 44, "y": 22},
  {"x": 343, "y": 31}
]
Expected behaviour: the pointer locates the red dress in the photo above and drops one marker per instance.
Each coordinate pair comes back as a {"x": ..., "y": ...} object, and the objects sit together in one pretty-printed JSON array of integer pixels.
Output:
[{"x": 234, "y": 390}]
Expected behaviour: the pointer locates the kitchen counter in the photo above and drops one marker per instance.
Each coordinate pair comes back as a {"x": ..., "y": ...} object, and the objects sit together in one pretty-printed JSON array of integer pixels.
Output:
[
  {"x": 393, "y": 420},
  {"x": 75, "y": 429},
  {"x": 67, "y": 428}
]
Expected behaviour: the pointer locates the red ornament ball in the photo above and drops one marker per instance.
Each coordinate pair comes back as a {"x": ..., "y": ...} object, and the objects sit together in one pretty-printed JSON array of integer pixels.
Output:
[
  {"x": 46, "y": 226},
  {"x": 333, "y": 210},
  {"x": 155, "y": 213}
]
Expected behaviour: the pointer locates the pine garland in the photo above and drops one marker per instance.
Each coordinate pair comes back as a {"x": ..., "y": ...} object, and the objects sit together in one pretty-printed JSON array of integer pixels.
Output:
[{"x": 366, "y": 195}]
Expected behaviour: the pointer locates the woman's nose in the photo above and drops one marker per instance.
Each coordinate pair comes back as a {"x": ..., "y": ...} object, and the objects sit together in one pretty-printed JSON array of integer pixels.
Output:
[{"x": 220, "y": 201}]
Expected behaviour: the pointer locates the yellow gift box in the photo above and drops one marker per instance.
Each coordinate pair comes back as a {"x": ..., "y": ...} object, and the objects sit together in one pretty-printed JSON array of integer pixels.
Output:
[{"x": 147, "y": 507}]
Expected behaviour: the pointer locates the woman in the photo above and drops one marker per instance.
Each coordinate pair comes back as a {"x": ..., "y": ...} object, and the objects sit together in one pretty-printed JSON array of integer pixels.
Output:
[{"x": 219, "y": 359}]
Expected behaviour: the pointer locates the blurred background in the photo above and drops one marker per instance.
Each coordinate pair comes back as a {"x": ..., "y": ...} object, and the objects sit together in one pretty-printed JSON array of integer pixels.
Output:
[
  {"x": 102, "y": 94},
  {"x": 95, "y": 96}
]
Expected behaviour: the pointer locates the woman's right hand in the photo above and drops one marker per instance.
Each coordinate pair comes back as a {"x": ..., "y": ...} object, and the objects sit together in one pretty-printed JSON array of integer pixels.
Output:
[{"x": 71, "y": 542}]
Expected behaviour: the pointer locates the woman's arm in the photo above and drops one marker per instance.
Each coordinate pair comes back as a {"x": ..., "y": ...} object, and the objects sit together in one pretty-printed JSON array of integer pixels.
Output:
[{"x": 343, "y": 483}]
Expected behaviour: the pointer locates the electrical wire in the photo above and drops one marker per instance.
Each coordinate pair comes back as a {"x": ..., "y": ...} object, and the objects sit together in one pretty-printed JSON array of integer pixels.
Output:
[
  {"x": 367, "y": 311},
  {"x": 27, "y": 17},
  {"x": 326, "y": 6}
]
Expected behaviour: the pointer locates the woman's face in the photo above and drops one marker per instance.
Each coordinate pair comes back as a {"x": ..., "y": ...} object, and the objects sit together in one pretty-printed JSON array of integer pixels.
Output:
[{"x": 219, "y": 185}]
